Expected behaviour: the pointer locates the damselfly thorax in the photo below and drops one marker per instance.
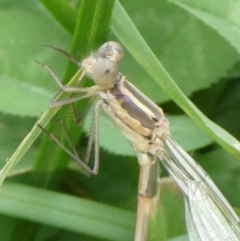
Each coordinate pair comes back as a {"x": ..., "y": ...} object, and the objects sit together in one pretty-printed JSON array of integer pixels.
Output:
[
  {"x": 136, "y": 116},
  {"x": 142, "y": 127}
]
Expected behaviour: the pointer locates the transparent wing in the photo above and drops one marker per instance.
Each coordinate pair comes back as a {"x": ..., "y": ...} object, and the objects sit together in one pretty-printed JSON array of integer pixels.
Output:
[
  {"x": 209, "y": 216},
  {"x": 205, "y": 220}
]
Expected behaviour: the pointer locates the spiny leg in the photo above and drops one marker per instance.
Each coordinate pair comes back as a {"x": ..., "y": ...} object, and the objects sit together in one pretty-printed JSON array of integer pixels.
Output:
[
  {"x": 63, "y": 87},
  {"x": 93, "y": 139},
  {"x": 72, "y": 153},
  {"x": 79, "y": 119},
  {"x": 88, "y": 91},
  {"x": 68, "y": 101}
]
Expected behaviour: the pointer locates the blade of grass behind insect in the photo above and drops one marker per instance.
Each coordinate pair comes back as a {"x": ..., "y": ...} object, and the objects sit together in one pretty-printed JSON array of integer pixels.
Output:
[
  {"x": 127, "y": 33},
  {"x": 62, "y": 12},
  {"x": 92, "y": 27}
]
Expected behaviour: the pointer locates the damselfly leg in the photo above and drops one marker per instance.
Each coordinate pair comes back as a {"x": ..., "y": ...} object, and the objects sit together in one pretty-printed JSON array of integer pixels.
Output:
[{"x": 93, "y": 135}]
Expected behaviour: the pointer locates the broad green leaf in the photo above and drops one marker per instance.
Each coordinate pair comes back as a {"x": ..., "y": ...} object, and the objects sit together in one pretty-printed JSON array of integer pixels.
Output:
[
  {"x": 187, "y": 133},
  {"x": 223, "y": 168},
  {"x": 168, "y": 204},
  {"x": 223, "y": 16},
  {"x": 188, "y": 49},
  {"x": 22, "y": 89},
  {"x": 17, "y": 93}
]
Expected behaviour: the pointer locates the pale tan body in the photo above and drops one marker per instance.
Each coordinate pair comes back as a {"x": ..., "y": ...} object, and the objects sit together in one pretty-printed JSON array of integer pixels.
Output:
[{"x": 143, "y": 123}]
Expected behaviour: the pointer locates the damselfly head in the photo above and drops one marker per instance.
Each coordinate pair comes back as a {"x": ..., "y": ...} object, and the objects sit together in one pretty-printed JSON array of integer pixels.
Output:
[
  {"x": 112, "y": 51},
  {"x": 102, "y": 66}
]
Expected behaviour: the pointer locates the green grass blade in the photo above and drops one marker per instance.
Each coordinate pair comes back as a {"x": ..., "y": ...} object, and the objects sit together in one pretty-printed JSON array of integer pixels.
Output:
[
  {"x": 92, "y": 27},
  {"x": 79, "y": 215},
  {"x": 32, "y": 136}
]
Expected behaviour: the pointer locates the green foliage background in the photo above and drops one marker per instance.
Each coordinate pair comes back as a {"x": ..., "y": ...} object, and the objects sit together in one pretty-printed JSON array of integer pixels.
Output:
[{"x": 46, "y": 196}]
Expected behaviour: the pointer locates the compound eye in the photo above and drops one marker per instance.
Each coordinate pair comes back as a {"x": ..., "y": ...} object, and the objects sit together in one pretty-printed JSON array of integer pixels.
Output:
[
  {"x": 112, "y": 51},
  {"x": 105, "y": 72}
]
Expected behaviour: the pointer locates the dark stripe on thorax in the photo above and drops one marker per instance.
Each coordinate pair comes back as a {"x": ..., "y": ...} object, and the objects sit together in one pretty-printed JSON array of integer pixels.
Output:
[
  {"x": 132, "y": 108},
  {"x": 144, "y": 100}
]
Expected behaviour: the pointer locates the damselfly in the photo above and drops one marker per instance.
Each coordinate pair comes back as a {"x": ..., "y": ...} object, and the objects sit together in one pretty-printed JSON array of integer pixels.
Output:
[{"x": 209, "y": 216}]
